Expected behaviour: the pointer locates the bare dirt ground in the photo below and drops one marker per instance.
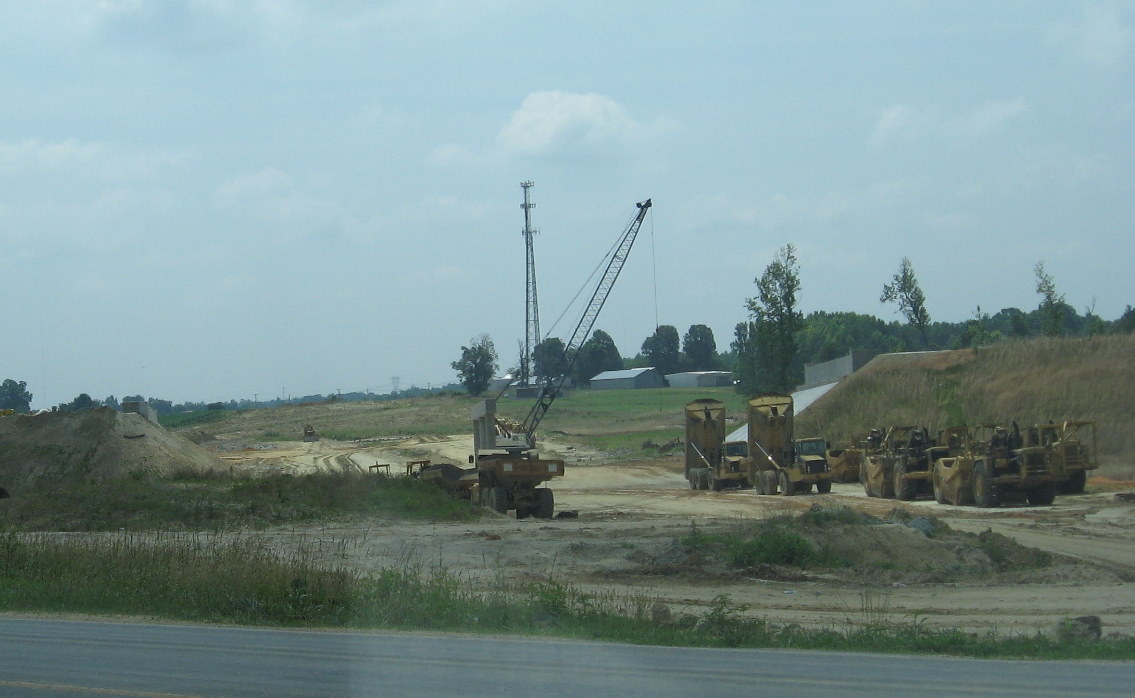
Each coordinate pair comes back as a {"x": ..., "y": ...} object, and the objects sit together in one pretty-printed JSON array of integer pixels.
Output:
[{"x": 631, "y": 514}]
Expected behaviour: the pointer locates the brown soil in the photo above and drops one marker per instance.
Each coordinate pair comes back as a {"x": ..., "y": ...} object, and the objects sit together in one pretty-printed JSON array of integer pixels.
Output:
[
  {"x": 985, "y": 575},
  {"x": 99, "y": 443}
]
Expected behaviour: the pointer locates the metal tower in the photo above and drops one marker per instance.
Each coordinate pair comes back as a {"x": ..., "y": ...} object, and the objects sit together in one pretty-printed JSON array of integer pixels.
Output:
[{"x": 532, "y": 307}]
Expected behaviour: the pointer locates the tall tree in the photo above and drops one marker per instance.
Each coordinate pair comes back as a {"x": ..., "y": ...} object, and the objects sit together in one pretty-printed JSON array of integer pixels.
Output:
[
  {"x": 598, "y": 354},
  {"x": 1051, "y": 303},
  {"x": 548, "y": 358},
  {"x": 15, "y": 396},
  {"x": 768, "y": 340},
  {"x": 476, "y": 366},
  {"x": 700, "y": 348},
  {"x": 662, "y": 349},
  {"x": 905, "y": 291},
  {"x": 82, "y": 402}
]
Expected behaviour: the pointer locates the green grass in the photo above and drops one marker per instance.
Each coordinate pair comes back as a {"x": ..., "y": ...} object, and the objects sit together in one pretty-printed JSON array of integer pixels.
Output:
[
  {"x": 203, "y": 503},
  {"x": 240, "y": 579},
  {"x": 199, "y": 418},
  {"x": 765, "y": 542}
]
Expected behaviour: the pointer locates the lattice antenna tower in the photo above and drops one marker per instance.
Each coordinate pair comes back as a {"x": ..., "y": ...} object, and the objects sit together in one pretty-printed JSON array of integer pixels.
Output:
[{"x": 532, "y": 306}]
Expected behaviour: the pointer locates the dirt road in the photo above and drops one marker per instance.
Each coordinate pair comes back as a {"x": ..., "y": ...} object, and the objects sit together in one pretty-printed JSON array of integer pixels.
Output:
[{"x": 631, "y": 514}]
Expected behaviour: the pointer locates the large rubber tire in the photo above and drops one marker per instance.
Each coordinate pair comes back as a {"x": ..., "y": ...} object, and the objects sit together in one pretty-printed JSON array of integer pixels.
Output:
[
  {"x": 692, "y": 478},
  {"x": 703, "y": 478},
  {"x": 1041, "y": 495},
  {"x": 522, "y": 512},
  {"x": 545, "y": 503},
  {"x": 786, "y": 487},
  {"x": 1075, "y": 483},
  {"x": 761, "y": 484},
  {"x": 714, "y": 484},
  {"x": 984, "y": 491},
  {"x": 904, "y": 488},
  {"x": 498, "y": 499},
  {"x": 824, "y": 486},
  {"x": 770, "y": 481},
  {"x": 864, "y": 479},
  {"x": 939, "y": 495}
]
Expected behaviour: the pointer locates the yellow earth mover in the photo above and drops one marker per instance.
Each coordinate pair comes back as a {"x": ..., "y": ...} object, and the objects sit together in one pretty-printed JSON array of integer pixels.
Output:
[
  {"x": 1066, "y": 446},
  {"x": 897, "y": 464},
  {"x": 844, "y": 463},
  {"x": 711, "y": 463},
  {"x": 991, "y": 465},
  {"x": 506, "y": 472},
  {"x": 774, "y": 461}
]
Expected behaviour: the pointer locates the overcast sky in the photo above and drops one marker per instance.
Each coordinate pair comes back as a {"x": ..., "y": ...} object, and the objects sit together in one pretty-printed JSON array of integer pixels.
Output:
[{"x": 214, "y": 199}]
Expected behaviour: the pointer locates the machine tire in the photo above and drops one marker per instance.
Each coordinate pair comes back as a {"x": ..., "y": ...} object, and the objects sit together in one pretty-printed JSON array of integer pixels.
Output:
[
  {"x": 1041, "y": 495},
  {"x": 984, "y": 491},
  {"x": 522, "y": 512},
  {"x": 692, "y": 478},
  {"x": 939, "y": 495},
  {"x": 498, "y": 499},
  {"x": 545, "y": 503},
  {"x": 823, "y": 486},
  {"x": 714, "y": 483},
  {"x": 904, "y": 488},
  {"x": 703, "y": 478},
  {"x": 770, "y": 481},
  {"x": 1075, "y": 483},
  {"x": 864, "y": 479},
  {"x": 786, "y": 487}
]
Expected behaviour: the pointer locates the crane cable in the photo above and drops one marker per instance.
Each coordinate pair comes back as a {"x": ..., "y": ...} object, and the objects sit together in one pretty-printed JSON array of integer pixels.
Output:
[{"x": 587, "y": 282}]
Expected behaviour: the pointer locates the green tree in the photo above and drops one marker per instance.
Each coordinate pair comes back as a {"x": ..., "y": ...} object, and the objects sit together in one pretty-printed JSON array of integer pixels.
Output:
[
  {"x": 477, "y": 364},
  {"x": 905, "y": 291},
  {"x": 1126, "y": 322},
  {"x": 768, "y": 343},
  {"x": 82, "y": 402},
  {"x": 1051, "y": 303},
  {"x": 700, "y": 348},
  {"x": 15, "y": 396},
  {"x": 549, "y": 359},
  {"x": 598, "y": 354},
  {"x": 662, "y": 349}
]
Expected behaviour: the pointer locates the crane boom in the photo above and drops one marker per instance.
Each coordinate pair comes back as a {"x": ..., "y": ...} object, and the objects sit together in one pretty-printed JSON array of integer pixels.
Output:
[{"x": 552, "y": 388}]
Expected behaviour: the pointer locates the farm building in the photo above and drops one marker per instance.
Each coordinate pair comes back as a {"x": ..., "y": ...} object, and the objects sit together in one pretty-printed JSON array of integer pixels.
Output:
[
  {"x": 700, "y": 379},
  {"x": 647, "y": 377}
]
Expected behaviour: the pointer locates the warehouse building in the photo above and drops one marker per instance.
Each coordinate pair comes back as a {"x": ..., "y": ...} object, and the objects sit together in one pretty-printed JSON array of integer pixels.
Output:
[{"x": 647, "y": 377}]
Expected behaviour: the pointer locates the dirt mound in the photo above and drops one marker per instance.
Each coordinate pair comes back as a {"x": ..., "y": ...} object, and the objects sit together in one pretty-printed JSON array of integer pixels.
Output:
[{"x": 93, "y": 443}]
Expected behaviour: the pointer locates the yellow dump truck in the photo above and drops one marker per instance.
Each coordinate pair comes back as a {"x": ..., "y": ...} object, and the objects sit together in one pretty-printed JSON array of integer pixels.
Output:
[
  {"x": 711, "y": 463},
  {"x": 775, "y": 461}
]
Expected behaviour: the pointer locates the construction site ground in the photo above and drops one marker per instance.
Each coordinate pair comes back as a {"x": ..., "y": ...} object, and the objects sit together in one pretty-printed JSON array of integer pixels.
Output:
[{"x": 630, "y": 515}]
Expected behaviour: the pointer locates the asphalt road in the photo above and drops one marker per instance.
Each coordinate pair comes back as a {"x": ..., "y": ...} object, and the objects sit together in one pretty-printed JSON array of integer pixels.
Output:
[{"x": 69, "y": 658}]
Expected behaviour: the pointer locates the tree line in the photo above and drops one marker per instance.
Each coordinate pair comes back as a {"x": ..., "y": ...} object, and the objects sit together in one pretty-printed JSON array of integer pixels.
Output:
[{"x": 776, "y": 340}]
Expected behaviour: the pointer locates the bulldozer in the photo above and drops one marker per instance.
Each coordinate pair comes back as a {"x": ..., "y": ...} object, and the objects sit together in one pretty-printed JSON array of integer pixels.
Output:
[
  {"x": 897, "y": 463},
  {"x": 712, "y": 463},
  {"x": 992, "y": 464},
  {"x": 775, "y": 462}
]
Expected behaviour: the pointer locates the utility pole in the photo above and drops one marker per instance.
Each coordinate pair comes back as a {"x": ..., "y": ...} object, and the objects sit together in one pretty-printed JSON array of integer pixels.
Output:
[{"x": 532, "y": 306}]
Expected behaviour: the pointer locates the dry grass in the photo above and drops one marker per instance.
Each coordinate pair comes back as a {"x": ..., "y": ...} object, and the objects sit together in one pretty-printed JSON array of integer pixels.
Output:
[{"x": 1029, "y": 381}]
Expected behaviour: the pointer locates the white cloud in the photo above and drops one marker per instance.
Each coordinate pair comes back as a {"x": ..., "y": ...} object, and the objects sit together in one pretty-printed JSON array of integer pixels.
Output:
[
  {"x": 1100, "y": 36},
  {"x": 553, "y": 121},
  {"x": 897, "y": 123},
  {"x": 902, "y": 124},
  {"x": 71, "y": 156},
  {"x": 987, "y": 118}
]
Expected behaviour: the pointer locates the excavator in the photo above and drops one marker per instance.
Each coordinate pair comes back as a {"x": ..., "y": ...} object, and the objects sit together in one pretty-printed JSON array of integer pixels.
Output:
[{"x": 507, "y": 469}]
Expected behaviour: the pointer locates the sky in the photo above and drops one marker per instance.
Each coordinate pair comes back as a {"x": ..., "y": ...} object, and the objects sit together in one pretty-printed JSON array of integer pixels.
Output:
[{"x": 206, "y": 200}]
